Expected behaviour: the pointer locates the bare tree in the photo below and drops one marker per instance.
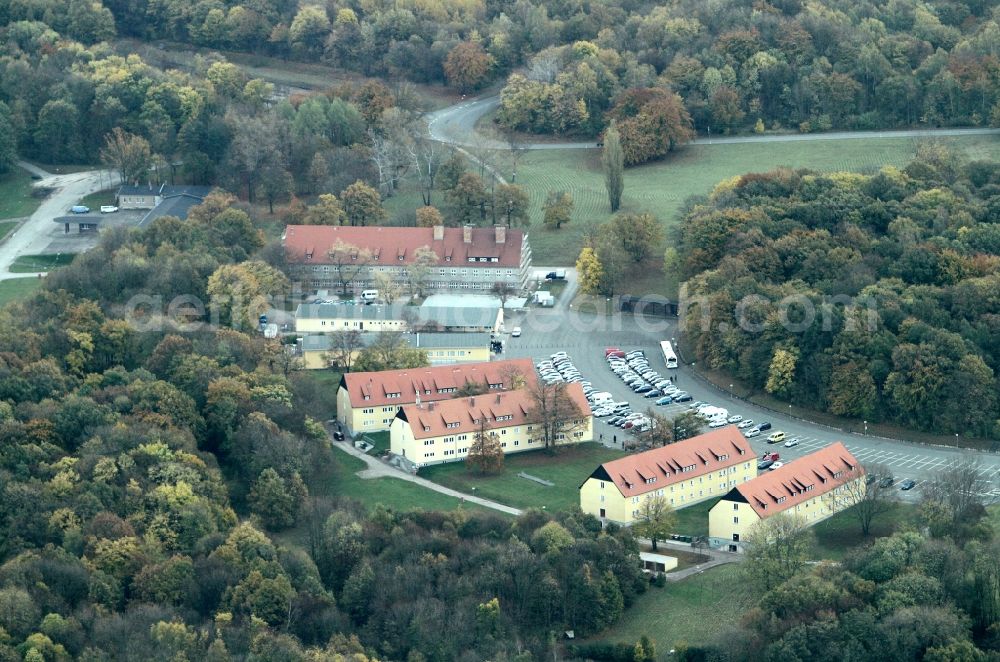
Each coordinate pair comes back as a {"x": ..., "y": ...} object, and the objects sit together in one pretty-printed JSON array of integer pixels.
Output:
[
  {"x": 554, "y": 414},
  {"x": 545, "y": 66},
  {"x": 957, "y": 491},
  {"x": 424, "y": 259},
  {"x": 503, "y": 291},
  {"x": 517, "y": 148},
  {"x": 348, "y": 262},
  {"x": 485, "y": 453},
  {"x": 344, "y": 344},
  {"x": 512, "y": 377},
  {"x": 391, "y": 160},
  {"x": 868, "y": 493},
  {"x": 389, "y": 289},
  {"x": 256, "y": 141},
  {"x": 426, "y": 156}
]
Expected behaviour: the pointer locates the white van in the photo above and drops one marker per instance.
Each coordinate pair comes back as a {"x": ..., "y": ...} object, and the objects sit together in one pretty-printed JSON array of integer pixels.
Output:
[
  {"x": 369, "y": 295},
  {"x": 602, "y": 398}
]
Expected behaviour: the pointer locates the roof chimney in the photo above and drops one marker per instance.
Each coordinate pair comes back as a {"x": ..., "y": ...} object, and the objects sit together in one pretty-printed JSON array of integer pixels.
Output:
[
  {"x": 498, "y": 398},
  {"x": 472, "y": 402},
  {"x": 438, "y": 233},
  {"x": 430, "y": 406},
  {"x": 501, "y": 233},
  {"x": 467, "y": 234}
]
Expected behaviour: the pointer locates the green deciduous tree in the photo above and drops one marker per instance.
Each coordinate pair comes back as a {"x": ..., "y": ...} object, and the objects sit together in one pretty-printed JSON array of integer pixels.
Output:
[
  {"x": 277, "y": 501},
  {"x": 776, "y": 548},
  {"x": 640, "y": 235},
  {"x": 557, "y": 209},
  {"x": 613, "y": 160},
  {"x": 362, "y": 205},
  {"x": 656, "y": 519}
]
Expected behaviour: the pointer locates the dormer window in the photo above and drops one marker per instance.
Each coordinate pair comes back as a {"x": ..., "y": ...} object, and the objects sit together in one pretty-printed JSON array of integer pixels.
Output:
[
  {"x": 447, "y": 258},
  {"x": 650, "y": 481},
  {"x": 781, "y": 499},
  {"x": 427, "y": 428},
  {"x": 401, "y": 258}
]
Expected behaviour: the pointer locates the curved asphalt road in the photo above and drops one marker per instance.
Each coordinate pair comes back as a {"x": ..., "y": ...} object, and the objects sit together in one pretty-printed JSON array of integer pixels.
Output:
[{"x": 456, "y": 125}]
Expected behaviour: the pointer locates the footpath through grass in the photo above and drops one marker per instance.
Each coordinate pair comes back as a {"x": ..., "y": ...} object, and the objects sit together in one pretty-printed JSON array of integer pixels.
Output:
[
  {"x": 694, "y": 610},
  {"x": 26, "y": 264},
  {"x": 6, "y": 227},
  {"x": 16, "y": 200},
  {"x": 567, "y": 468},
  {"x": 17, "y": 288},
  {"x": 661, "y": 188}
]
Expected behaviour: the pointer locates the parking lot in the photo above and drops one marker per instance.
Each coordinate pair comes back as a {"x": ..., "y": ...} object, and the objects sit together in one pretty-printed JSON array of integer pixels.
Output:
[{"x": 546, "y": 331}]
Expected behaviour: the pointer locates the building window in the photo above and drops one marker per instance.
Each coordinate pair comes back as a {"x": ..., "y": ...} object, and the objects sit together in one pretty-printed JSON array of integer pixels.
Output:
[
  {"x": 736, "y": 520},
  {"x": 736, "y": 506}
]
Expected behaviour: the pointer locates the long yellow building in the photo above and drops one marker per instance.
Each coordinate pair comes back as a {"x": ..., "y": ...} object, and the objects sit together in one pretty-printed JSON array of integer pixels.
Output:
[
  {"x": 442, "y": 348},
  {"x": 438, "y": 432},
  {"x": 684, "y": 473},
  {"x": 814, "y": 487},
  {"x": 369, "y": 401}
]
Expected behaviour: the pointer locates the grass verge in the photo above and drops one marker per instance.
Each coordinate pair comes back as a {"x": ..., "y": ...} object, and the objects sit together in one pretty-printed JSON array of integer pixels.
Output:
[
  {"x": 694, "y": 610},
  {"x": 26, "y": 264},
  {"x": 16, "y": 200},
  {"x": 567, "y": 468},
  {"x": 17, "y": 288}
]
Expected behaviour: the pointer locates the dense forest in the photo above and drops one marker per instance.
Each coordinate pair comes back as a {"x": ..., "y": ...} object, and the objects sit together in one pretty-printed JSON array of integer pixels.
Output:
[
  {"x": 869, "y": 296},
  {"x": 147, "y": 464}
]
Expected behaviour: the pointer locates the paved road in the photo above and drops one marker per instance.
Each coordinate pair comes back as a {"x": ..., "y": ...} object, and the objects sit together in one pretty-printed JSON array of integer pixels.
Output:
[
  {"x": 34, "y": 234},
  {"x": 456, "y": 125},
  {"x": 584, "y": 337}
]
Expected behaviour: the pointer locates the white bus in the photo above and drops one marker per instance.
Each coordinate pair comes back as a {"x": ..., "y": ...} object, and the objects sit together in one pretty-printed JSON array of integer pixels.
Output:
[{"x": 668, "y": 354}]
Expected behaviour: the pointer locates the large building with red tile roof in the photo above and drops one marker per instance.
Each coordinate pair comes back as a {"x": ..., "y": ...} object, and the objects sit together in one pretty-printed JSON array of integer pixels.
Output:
[
  {"x": 468, "y": 258},
  {"x": 369, "y": 401},
  {"x": 689, "y": 471},
  {"x": 812, "y": 487},
  {"x": 435, "y": 432}
]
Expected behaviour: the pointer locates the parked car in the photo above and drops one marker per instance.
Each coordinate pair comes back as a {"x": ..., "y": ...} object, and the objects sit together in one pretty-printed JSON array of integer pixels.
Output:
[
  {"x": 339, "y": 436},
  {"x": 907, "y": 485},
  {"x": 682, "y": 397},
  {"x": 80, "y": 209},
  {"x": 764, "y": 426},
  {"x": 776, "y": 438},
  {"x": 791, "y": 443},
  {"x": 764, "y": 464},
  {"x": 717, "y": 423},
  {"x": 746, "y": 424},
  {"x": 516, "y": 333},
  {"x": 776, "y": 465},
  {"x": 752, "y": 432},
  {"x": 665, "y": 400},
  {"x": 735, "y": 418}
]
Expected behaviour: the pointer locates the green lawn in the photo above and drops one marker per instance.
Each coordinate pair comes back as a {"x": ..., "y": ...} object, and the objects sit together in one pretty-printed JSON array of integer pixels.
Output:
[
  {"x": 567, "y": 468},
  {"x": 44, "y": 262},
  {"x": 394, "y": 493},
  {"x": 839, "y": 534},
  {"x": 661, "y": 188},
  {"x": 6, "y": 227},
  {"x": 693, "y": 520},
  {"x": 16, "y": 200},
  {"x": 98, "y": 198},
  {"x": 380, "y": 440},
  {"x": 693, "y": 611},
  {"x": 17, "y": 288}
]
